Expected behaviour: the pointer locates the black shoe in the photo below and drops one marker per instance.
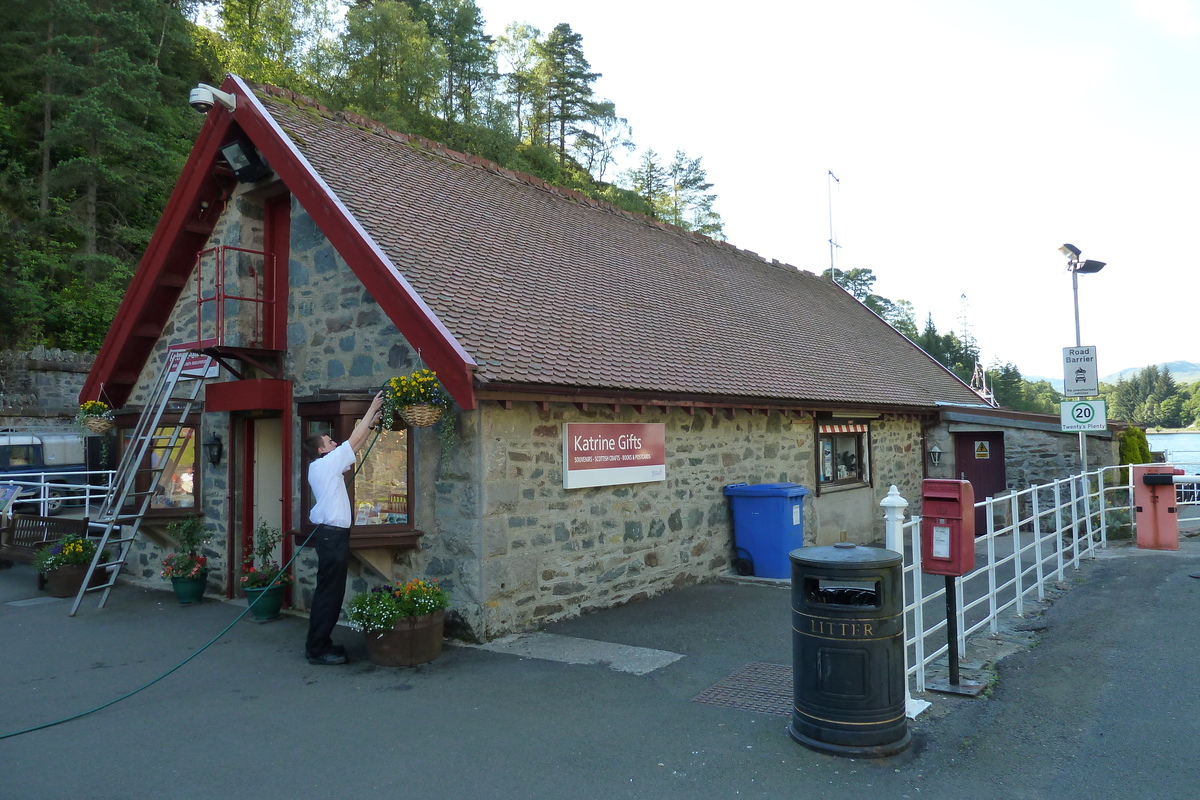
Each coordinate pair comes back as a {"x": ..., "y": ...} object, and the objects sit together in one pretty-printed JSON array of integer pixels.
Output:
[
  {"x": 337, "y": 650},
  {"x": 327, "y": 659}
]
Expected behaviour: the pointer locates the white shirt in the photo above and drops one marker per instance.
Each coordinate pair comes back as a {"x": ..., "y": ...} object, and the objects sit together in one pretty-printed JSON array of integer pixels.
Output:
[{"x": 332, "y": 506}]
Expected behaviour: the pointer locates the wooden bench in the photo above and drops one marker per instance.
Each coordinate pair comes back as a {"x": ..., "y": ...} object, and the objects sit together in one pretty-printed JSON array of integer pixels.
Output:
[{"x": 25, "y": 534}]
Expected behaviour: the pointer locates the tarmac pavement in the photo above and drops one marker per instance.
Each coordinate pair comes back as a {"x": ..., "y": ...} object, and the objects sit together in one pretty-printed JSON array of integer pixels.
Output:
[{"x": 1103, "y": 704}]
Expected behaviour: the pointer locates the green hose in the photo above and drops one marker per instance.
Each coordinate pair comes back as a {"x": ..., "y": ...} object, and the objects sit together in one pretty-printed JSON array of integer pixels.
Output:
[{"x": 211, "y": 642}]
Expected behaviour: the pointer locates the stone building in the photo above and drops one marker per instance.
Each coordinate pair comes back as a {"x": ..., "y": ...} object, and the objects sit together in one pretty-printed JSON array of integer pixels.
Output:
[{"x": 307, "y": 256}]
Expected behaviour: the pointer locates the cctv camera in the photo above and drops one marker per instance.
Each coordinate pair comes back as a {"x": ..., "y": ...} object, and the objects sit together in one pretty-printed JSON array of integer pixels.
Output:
[
  {"x": 204, "y": 97},
  {"x": 201, "y": 99}
]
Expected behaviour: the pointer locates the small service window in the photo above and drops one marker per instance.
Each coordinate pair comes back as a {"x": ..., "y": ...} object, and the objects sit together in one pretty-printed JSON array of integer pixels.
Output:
[
  {"x": 379, "y": 487},
  {"x": 842, "y": 455}
]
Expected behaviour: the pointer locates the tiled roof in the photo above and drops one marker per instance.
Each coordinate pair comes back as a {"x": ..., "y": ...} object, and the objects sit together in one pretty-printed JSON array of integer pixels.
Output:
[{"x": 545, "y": 287}]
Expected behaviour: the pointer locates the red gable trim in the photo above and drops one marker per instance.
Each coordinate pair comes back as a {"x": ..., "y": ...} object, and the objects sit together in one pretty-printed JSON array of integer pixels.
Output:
[
  {"x": 404, "y": 307},
  {"x": 186, "y": 225}
]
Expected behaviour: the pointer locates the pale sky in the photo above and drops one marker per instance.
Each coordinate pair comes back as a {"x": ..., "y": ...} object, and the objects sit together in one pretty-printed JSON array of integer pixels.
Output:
[{"x": 971, "y": 140}]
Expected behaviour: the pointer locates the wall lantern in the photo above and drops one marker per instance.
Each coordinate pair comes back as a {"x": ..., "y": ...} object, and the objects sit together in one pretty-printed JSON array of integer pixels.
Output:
[
  {"x": 213, "y": 450},
  {"x": 935, "y": 455}
]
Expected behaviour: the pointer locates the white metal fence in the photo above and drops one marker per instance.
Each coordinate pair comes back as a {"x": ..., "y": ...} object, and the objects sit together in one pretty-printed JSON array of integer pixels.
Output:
[
  {"x": 1032, "y": 537},
  {"x": 49, "y": 493}
]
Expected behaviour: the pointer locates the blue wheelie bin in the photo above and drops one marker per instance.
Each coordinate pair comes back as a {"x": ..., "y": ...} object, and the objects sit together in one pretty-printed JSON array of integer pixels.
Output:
[{"x": 768, "y": 524}]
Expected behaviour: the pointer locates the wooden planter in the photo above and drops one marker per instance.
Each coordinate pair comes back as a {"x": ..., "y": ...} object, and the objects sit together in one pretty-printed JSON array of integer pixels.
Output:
[
  {"x": 412, "y": 641},
  {"x": 65, "y": 581}
]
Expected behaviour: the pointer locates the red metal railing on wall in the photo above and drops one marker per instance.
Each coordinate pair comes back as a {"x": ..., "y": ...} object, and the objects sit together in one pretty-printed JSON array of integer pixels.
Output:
[{"x": 250, "y": 329}]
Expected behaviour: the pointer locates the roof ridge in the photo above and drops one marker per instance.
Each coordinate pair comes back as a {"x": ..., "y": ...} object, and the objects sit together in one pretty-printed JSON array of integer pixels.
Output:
[{"x": 478, "y": 162}]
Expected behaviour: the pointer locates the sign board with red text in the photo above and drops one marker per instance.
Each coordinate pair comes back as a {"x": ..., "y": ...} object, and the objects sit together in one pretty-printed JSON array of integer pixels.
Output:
[
  {"x": 195, "y": 365},
  {"x": 613, "y": 453}
]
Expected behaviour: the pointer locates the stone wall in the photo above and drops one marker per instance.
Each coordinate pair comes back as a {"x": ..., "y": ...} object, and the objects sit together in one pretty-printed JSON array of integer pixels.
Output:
[
  {"x": 551, "y": 553},
  {"x": 39, "y": 388},
  {"x": 1034, "y": 453}
]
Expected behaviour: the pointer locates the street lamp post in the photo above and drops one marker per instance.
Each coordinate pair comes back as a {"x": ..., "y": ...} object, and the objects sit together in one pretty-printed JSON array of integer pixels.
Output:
[{"x": 1076, "y": 266}]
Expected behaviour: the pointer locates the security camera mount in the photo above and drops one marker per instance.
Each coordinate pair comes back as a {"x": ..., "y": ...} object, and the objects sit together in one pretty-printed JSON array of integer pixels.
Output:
[{"x": 204, "y": 97}]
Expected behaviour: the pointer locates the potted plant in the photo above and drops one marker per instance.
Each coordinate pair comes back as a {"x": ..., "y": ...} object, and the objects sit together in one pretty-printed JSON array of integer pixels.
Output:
[
  {"x": 65, "y": 564},
  {"x": 262, "y": 578},
  {"x": 188, "y": 570},
  {"x": 96, "y": 416},
  {"x": 402, "y": 623}
]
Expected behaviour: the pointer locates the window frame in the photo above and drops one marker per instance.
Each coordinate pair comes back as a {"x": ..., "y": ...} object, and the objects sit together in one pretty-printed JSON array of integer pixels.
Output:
[
  {"x": 127, "y": 423},
  {"x": 829, "y": 429},
  {"x": 341, "y": 414}
]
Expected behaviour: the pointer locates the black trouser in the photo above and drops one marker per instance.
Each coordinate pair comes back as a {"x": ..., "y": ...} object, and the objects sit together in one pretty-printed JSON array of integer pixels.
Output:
[{"x": 333, "y": 557}]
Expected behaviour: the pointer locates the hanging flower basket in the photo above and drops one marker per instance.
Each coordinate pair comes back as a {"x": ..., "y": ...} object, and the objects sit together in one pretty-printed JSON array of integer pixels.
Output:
[
  {"x": 97, "y": 424},
  {"x": 418, "y": 399},
  {"x": 95, "y": 416},
  {"x": 421, "y": 416}
]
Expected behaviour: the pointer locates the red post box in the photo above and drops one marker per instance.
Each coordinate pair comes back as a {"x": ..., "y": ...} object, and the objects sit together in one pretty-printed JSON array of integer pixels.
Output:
[{"x": 947, "y": 527}]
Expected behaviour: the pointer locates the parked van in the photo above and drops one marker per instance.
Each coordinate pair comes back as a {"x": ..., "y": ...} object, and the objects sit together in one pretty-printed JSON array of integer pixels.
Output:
[{"x": 28, "y": 456}]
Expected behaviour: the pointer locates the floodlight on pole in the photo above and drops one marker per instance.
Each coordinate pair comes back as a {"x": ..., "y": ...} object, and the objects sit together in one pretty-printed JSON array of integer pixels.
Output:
[{"x": 1075, "y": 266}]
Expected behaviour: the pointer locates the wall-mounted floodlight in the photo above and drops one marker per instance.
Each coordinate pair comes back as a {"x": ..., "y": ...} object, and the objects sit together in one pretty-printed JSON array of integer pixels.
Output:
[
  {"x": 245, "y": 161},
  {"x": 204, "y": 97}
]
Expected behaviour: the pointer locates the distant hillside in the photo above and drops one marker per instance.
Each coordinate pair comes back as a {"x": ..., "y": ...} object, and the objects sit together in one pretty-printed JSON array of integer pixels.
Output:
[{"x": 1181, "y": 371}]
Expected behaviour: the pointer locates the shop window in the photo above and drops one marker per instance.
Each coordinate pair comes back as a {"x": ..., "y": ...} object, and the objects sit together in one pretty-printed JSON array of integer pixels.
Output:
[
  {"x": 379, "y": 487},
  {"x": 842, "y": 455},
  {"x": 175, "y": 488}
]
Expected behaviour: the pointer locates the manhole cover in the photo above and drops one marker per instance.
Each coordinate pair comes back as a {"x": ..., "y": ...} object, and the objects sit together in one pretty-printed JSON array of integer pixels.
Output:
[{"x": 765, "y": 688}]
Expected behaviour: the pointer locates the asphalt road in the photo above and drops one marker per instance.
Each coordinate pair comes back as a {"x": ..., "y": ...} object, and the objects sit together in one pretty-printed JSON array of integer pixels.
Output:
[{"x": 1104, "y": 705}]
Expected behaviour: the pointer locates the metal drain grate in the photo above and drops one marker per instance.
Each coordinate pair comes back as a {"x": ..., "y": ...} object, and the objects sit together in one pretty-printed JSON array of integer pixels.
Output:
[{"x": 765, "y": 688}]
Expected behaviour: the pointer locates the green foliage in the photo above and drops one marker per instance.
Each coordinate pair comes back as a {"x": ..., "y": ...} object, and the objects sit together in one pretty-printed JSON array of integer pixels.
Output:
[
  {"x": 380, "y": 608},
  {"x": 260, "y": 569},
  {"x": 189, "y": 533},
  {"x": 92, "y": 136},
  {"x": 678, "y": 193},
  {"x": 958, "y": 355},
  {"x": 72, "y": 550},
  {"x": 1135, "y": 447},
  {"x": 1011, "y": 390},
  {"x": 1152, "y": 399},
  {"x": 94, "y": 131}
]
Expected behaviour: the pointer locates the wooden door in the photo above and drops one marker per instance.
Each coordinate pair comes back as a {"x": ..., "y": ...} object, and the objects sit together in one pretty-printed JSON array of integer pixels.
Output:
[{"x": 979, "y": 458}]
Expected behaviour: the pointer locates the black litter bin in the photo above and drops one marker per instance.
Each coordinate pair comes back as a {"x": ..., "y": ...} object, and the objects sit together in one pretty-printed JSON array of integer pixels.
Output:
[{"x": 848, "y": 650}]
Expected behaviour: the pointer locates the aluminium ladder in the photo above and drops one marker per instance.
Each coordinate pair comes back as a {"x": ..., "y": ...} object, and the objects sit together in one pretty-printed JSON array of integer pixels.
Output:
[{"x": 136, "y": 479}]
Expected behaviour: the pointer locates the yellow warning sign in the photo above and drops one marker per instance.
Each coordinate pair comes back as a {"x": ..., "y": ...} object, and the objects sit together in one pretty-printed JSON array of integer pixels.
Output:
[{"x": 982, "y": 450}]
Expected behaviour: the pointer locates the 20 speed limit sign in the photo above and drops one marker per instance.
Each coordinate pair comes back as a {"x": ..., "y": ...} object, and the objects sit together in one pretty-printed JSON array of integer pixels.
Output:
[{"x": 1083, "y": 415}]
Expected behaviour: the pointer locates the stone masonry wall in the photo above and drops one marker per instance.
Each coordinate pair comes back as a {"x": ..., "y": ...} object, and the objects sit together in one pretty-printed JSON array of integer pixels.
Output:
[
  {"x": 39, "y": 388},
  {"x": 552, "y": 553},
  {"x": 1031, "y": 456}
]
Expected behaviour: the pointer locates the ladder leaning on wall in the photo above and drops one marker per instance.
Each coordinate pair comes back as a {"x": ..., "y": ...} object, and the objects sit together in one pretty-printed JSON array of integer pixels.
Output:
[{"x": 136, "y": 479}]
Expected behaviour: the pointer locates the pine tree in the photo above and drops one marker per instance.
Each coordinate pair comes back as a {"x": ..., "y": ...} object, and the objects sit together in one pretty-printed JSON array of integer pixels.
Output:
[{"x": 568, "y": 79}]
